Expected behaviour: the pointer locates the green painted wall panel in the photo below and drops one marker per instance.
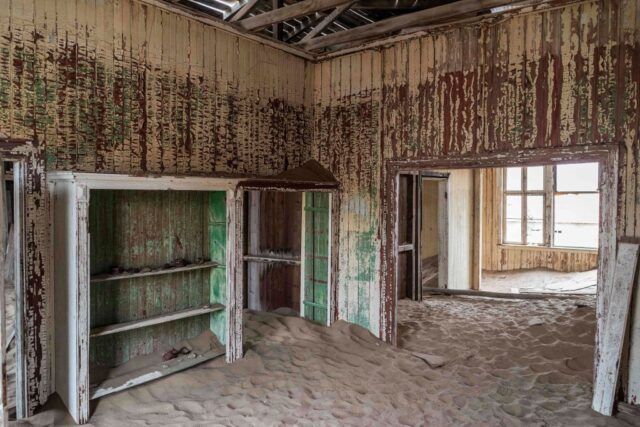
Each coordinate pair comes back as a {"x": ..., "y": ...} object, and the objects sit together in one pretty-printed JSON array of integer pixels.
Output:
[
  {"x": 217, "y": 225},
  {"x": 316, "y": 241},
  {"x": 136, "y": 229}
]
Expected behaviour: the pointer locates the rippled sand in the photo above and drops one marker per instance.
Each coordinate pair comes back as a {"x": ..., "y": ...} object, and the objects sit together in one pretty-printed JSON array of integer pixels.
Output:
[{"x": 498, "y": 371}]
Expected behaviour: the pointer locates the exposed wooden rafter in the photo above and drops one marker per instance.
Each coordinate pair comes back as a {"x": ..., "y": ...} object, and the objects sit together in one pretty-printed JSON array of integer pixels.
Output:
[
  {"x": 303, "y": 8},
  {"x": 327, "y": 21},
  {"x": 403, "y": 21},
  {"x": 244, "y": 9}
]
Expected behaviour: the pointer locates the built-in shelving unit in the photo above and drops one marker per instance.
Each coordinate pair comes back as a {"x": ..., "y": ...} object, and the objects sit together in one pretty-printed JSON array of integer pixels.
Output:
[{"x": 141, "y": 275}]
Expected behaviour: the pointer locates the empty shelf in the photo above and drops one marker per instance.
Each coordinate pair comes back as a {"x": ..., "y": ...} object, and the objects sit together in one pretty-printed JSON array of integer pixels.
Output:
[
  {"x": 150, "y": 373},
  {"x": 155, "y": 320},
  {"x": 121, "y": 276},
  {"x": 271, "y": 259}
]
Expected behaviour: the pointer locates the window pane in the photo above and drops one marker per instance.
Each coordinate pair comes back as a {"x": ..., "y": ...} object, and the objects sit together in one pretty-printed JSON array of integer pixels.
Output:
[
  {"x": 514, "y": 179},
  {"x": 535, "y": 215},
  {"x": 578, "y": 177},
  {"x": 535, "y": 178},
  {"x": 576, "y": 220},
  {"x": 513, "y": 217}
]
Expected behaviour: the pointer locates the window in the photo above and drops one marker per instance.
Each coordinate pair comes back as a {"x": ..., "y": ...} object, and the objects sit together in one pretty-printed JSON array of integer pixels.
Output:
[{"x": 551, "y": 206}]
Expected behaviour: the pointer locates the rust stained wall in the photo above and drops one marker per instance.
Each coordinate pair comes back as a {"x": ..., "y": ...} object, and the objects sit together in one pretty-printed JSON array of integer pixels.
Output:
[
  {"x": 122, "y": 86},
  {"x": 569, "y": 76}
]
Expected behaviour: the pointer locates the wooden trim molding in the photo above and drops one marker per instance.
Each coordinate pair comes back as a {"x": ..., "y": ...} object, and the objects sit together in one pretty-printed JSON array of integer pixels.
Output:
[
  {"x": 34, "y": 317},
  {"x": 607, "y": 155}
]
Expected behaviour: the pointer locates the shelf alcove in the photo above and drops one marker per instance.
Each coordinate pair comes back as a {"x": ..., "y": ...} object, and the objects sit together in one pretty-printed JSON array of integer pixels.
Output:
[{"x": 141, "y": 279}]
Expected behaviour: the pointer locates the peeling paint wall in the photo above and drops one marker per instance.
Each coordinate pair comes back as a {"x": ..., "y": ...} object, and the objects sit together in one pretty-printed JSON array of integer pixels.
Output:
[
  {"x": 122, "y": 86},
  {"x": 563, "y": 77}
]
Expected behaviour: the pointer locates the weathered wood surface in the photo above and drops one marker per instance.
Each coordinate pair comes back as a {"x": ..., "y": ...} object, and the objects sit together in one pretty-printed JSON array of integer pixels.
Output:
[
  {"x": 607, "y": 374},
  {"x": 122, "y": 276},
  {"x": 125, "y": 86},
  {"x": 561, "y": 78},
  {"x": 155, "y": 320},
  {"x": 150, "y": 373},
  {"x": 112, "y": 87}
]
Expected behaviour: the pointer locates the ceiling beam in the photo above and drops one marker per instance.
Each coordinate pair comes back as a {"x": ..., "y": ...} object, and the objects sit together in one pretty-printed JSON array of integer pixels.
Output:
[
  {"x": 296, "y": 10},
  {"x": 397, "y": 23},
  {"x": 277, "y": 30},
  {"x": 309, "y": 24},
  {"x": 246, "y": 8},
  {"x": 327, "y": 21}
]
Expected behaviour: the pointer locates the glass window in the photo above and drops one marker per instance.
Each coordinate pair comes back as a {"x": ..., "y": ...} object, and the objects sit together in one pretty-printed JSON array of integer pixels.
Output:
[
  {"x": 576, "y": 220},
  {"x": 535, "y": 220},
  {"x": 577, "y": 177},
  {"x": 535, "y": 178},
  {"x": 513, "y": 217},
  {"x": 564, "y": 216},
  {"x": 514, "y": 179}
]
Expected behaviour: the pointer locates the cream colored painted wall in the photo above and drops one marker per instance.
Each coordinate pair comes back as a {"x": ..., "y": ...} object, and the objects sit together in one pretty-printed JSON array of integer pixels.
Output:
[
  {"x": 460, "y": 204},
  {"x": 429, "y": 232}
]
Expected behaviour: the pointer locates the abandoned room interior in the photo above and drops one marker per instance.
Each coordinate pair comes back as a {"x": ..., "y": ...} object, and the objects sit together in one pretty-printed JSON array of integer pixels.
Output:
[{"x": 320, "y": 212}]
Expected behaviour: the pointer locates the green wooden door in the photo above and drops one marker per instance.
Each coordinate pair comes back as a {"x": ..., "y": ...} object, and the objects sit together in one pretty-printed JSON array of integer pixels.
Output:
[{"x": 316, "y": 256}]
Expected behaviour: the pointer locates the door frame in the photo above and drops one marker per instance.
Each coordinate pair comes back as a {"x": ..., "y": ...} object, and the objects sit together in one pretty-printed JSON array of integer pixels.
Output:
[
  {"x": 237, "y": 264},
  {"x": 22, "y": 154},
  {"x": 606, "y": 155}
]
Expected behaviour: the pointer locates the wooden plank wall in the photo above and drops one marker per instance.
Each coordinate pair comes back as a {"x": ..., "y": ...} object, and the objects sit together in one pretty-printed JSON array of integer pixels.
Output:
[
  {"x": 496, "y": 257},
  {"x": 122, "y": 235},
  {"x": 123, "y": 86},
  {"x": 562, "y": 77}
]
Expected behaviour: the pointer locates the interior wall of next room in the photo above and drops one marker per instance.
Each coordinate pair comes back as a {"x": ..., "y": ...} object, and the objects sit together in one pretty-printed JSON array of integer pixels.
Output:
[
  {"x": 429, "y": 232},
  {"x": 274, "y": 221},
  {"x": 498, "y": 257}
]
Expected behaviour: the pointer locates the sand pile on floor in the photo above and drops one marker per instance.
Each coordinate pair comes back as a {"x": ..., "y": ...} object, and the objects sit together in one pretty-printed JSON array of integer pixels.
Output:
[{"x": 498, "y": 371}]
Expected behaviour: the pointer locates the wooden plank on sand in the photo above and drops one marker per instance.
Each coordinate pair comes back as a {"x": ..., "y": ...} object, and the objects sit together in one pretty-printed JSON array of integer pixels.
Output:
[{"x": 615, "y": 325}]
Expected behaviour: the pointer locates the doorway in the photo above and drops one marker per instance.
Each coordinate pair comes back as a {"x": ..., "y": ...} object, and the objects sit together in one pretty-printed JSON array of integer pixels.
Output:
[
  {"x": 423, "y": 233},
  {"x": 287, "y": 253}
]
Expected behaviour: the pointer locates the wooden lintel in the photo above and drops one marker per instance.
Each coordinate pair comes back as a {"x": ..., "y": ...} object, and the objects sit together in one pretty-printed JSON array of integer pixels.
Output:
[{"x": 303, "y": 8}]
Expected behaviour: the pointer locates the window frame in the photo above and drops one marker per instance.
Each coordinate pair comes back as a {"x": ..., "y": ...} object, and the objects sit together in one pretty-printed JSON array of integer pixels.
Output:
[{"x": 548, "y": 193}]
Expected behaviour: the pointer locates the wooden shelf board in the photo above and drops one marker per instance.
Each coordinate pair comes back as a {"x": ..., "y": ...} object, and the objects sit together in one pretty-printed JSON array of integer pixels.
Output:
[
  {"x": 155, "y": 320},
  {"x": 271, "y": 259},
  {"x": 190, "y": 267},
  {"x": 150, "y": 373}
]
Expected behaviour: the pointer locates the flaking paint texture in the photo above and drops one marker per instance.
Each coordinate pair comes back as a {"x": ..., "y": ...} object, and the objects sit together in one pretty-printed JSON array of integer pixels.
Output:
[
  {"x": 121, "y": 86},
  {"x": 562, "y": 77}
]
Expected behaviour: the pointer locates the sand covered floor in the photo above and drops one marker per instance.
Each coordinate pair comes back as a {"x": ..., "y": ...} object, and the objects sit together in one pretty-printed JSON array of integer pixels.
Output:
[{"x": 498, "y": 371}]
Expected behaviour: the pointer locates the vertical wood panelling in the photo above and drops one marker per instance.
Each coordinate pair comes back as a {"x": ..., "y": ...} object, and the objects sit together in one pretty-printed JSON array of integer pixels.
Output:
[
  {"x": 121, "y": 236},
  {"x": 123, "y": 86},
  {"x": 561, "y": 77}
]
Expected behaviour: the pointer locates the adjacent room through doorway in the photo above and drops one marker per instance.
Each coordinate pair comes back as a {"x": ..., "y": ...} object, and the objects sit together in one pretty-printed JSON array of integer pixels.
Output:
[{"x": 530, "y": 229}]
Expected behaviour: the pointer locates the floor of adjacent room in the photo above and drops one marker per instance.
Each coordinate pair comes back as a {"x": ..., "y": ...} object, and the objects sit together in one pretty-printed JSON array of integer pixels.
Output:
[{"x": 461, "y": 361}]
